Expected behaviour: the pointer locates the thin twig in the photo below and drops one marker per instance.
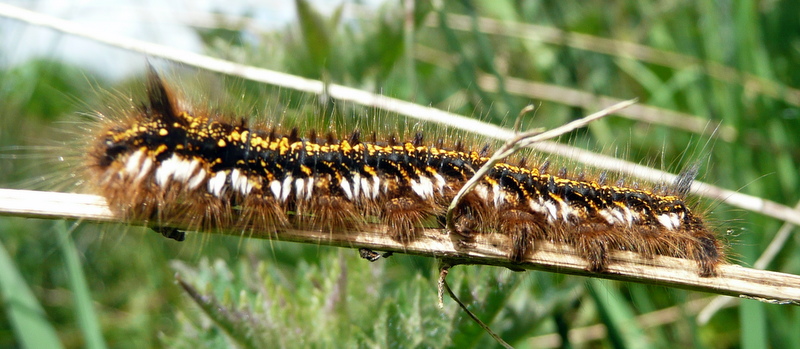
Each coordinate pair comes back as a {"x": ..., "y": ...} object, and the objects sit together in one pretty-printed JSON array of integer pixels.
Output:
[
  {"x": 519, "y": 142},
  {"x": 518, "y": 123},
  {"x": 444, "y": 269}
]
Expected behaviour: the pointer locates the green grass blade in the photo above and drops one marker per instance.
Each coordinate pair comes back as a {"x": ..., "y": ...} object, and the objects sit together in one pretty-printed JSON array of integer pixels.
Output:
[
  {"x": 617, "y": 315},
  {"x": 30, "y": 323},
  {"x": 754, "y": 325},
  {"x": 84, "y": 307}
]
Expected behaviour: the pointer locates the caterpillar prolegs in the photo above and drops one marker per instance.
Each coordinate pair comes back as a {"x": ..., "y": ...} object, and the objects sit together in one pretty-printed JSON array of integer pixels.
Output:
[{"x": 161, "y": 161}]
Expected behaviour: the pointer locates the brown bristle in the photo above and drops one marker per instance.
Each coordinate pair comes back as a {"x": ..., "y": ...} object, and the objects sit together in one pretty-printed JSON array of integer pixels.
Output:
[
  {"x": 243, "y": 123},
  {"x": 603, "y": 179},
  {"x": 485, "y": 150},
  {"x": 312, "y": 136},
  {"x": 459, "y": 147},
  {"x": 683, "y": 183},
  {"x": 355, "y": 138},
  {"x": 544, "y": 167},
  {"x": 418, "y": 139},
  {"x": 293, "y": 135},
  {"x": 159, "y": 105}
]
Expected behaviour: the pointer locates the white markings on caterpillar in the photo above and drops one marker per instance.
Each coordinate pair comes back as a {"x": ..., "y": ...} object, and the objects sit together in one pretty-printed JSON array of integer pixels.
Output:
[
  {"x": 173, "y": 168},
  {"x": 440, "y": 182},
  {"x": 608, "y": 215},
  {"x": 216, "y": 183},
  {"x": 552, "y": 211},
  {"x": 185, "y": 169},
  {"x": 537, "y": 206},
  {"x": 275, "y": 187},
  {"x": 423, "y": 188},
  {"x": 286, "y": 189},
  {"x": 309, "y": 187},
  {"x": 357, "y": 185},
  {"x": 365, "y": 187},
  {"x": 482, "y": 191},
  {"x": 346, "y": 189},
  {"x": 671, "y": 221},
  {"x": 498, "y": 194},
  {"x": 134, "y": 164},
  {"x": 300, "y": 189},
  {"x": 376, "y": 186},
  {"x": 166, "y": 170},
  {"x": 147, "y": 164},
  {"x": 195, "y": 181}
]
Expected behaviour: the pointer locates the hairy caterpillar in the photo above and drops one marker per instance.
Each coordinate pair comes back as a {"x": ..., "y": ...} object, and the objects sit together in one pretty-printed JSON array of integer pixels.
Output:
[{"x": 162, "y": 163}]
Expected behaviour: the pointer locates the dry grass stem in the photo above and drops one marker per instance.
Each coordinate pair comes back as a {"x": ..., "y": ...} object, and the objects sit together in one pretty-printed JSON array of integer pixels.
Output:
[{"x": 486, "y": 249}]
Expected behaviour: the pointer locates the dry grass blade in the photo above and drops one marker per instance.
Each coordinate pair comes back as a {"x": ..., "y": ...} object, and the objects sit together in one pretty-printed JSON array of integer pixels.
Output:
[{"x": 488, "y": 249}]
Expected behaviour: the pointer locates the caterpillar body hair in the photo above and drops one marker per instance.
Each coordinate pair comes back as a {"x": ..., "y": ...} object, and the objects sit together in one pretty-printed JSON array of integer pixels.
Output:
[{"x": 162, "y": 163}]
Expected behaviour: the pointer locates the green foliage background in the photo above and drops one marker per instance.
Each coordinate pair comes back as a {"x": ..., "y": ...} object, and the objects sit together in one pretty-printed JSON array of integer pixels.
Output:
[{"x": 116, "y": 285}]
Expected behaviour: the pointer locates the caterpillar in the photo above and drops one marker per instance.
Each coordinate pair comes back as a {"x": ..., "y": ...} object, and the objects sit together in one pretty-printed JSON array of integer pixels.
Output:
[{"x": 162, "y": 162}]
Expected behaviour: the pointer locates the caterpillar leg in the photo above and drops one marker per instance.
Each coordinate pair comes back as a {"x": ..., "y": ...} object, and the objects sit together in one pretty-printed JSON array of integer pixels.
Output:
[
  {"x": 524, "y": 228},
  {"x": 404, "y": 215}
]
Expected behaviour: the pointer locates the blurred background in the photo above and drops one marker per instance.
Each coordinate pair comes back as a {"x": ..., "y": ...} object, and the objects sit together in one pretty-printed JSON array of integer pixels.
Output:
[{"x": 717, "y": 83}]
